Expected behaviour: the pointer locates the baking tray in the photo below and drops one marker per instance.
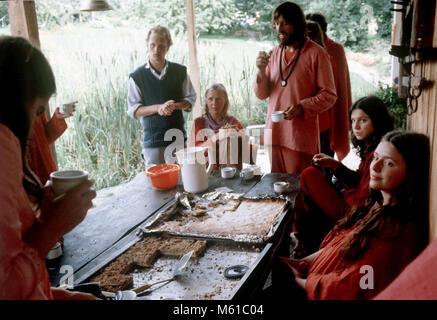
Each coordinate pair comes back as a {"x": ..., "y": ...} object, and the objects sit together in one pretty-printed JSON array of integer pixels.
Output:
[
  {"x": 171, "y": 211},
  {"x": 202, "y": 280}
]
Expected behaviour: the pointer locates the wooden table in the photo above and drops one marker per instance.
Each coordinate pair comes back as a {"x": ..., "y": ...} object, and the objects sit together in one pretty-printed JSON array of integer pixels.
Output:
[{"x": 110, "y": 227}]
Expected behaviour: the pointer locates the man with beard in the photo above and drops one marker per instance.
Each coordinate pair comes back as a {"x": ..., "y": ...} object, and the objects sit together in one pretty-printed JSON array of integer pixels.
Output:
[{"x": 297, "y": 78}]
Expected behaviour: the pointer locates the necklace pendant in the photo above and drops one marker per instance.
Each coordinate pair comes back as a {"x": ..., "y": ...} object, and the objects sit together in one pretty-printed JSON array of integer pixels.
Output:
[{"x": 284, "y": 83}]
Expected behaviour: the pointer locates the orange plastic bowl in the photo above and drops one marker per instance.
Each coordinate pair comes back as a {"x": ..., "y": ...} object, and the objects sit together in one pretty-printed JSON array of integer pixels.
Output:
[{"x": 164, "y": 176}]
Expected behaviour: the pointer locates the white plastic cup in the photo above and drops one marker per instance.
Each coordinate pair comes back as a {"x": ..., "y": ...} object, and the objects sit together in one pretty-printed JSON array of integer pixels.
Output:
[
  {"x": 228, "y": 172},
  {"x": 66, "y": 108},
  {"x": 280, "y": 186},
  {"x": 62, "y": 181},
  {"x": 277, "y": 116}
]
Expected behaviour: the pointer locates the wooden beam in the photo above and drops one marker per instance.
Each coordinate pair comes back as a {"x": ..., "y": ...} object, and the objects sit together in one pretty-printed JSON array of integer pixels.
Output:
[
  {"x": 192, "y": 49},
  {"x": 22, "y": 16},
  {"x": 24, "y": 23}
]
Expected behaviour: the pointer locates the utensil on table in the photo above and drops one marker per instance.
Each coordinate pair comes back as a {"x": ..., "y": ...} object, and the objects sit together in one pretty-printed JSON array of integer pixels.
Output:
[{"x": 132, "y": 294}]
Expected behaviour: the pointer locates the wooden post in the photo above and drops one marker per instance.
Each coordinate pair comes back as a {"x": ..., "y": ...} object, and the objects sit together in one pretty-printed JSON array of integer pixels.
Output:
[
  {"x": 192, "y": 49},
  {"x": 22, "y": 16}
]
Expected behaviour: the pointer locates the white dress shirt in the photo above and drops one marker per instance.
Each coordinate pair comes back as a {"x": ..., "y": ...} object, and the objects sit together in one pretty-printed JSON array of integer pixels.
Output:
[{"x": 134, "y": 98}]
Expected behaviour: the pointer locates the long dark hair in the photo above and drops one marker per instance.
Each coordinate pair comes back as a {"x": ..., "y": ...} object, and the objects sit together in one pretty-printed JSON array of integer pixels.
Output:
[
  {"x": 320, "y": 19},
  {"x": 409, "y": 203},
  {"x": 293, "y": 14},
  {"x": 25, "y": 74},
  {"x": 382, "y": 121}
]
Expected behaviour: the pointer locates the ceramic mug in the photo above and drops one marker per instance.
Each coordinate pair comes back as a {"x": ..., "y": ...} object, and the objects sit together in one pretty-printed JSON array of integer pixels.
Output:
[
  {"x": 228, "y": 172},
  {"x": 256, "y": 169},
  {"x": 277, "y": 116},
  {"x": 280, "y": 186},
  {"x": 247, "y": 174},
  {"x": 66, "y": 108},
  {"x": 62, "y": 181}
]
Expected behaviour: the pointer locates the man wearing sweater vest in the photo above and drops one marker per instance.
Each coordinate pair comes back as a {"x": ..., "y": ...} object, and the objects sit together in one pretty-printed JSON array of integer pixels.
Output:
[{"x": 158, "y": 92}]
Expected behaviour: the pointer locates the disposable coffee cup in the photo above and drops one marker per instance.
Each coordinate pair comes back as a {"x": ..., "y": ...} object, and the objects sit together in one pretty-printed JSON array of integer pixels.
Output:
[
  {"x": 277, "y": 116},
  {"x": 66, "y": 108},
  {"x": 62, "y": 181}
]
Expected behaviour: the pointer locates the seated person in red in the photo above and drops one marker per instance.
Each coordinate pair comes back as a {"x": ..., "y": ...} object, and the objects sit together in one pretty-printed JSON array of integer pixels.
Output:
[
  {"x": 27, "y": 83},
  {"x": 323, "y": 204},
  {"x": 206, "y": 129},
  {"x": 45, "y": 132},
  {"x": 368, "y": 248}
]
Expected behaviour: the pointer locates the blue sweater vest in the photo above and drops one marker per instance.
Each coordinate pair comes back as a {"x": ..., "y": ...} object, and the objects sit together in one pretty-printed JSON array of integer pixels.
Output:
[{"x": 155, "y": 91}]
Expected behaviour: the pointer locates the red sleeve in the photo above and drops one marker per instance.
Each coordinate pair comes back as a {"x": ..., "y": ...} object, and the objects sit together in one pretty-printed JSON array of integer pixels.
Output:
[
  {"x": 198, "y": 137},
  {"x": 53, "y": 128},
  {"x": 23, "y": 273},
  {"x": 418, "y": 281},
  {"x": 366, "y": 277}
]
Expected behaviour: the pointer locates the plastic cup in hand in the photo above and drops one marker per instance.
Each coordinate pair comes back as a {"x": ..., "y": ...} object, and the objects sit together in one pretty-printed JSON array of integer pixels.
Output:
[{"x": 66, "y": 108}]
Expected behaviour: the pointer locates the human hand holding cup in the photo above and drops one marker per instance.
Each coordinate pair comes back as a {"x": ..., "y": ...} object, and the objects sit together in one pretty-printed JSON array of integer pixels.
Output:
[
  {"x": 62, "y": 181},
  {"x": 277, "y": 116},
  {"x": 72, "y": 200},
  {"x": 67, "y": 109}
]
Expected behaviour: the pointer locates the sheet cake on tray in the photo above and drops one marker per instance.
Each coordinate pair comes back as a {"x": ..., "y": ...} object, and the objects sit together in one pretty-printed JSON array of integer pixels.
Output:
[{"x": 224, "y": 217}]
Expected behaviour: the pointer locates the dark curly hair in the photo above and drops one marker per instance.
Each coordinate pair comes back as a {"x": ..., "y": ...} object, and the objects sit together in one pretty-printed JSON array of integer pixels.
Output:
[
  {"x": 409, "y": 203},
  {"x": 382, "y": 121}
]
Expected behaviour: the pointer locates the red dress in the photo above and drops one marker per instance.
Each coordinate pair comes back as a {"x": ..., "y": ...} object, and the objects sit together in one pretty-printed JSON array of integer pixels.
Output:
[
  {"x": 23, "y": 274},
  {"x": 44, "y": 134},
  {"x": 418, "y": 281},
  {"x": 334, "y": 204},
  {"x": 340, "y": 123},
  {"x": 331, "y": 277}
]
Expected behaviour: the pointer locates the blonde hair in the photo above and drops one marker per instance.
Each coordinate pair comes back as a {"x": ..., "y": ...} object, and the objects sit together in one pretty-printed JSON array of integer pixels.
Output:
[
  {"x": 221, "y": 88},
  {"x": 163, "y": 32}
]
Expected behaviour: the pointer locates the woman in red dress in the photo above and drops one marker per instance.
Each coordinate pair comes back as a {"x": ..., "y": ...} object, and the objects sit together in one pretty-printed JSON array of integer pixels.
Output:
[
  {"x": 322, "y": 203},
  {"x": 26, "y": 85},
  {"x": 368, "y": 248}
]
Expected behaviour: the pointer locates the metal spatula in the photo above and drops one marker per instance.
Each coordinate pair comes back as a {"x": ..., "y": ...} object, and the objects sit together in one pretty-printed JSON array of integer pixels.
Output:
[{"x": 177, "y": 271}]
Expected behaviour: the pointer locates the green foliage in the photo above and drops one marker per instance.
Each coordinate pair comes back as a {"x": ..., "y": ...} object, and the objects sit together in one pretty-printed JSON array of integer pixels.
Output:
[
  {"x": 4, "y": 12},
  {"x": 396, "y": 105},
  {"x": 348, "y": 20}
]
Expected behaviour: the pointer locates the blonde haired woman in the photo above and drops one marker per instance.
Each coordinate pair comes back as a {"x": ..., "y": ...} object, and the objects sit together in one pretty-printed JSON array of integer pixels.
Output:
[{"x": 205, "y": 130}]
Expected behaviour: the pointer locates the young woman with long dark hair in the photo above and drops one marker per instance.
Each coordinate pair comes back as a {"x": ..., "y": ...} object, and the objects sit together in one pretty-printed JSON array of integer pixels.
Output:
[
  {"x": 323, "y": 203},
  {"x": 26, "y": 85},
  {"x": 371, "y": 245}
]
